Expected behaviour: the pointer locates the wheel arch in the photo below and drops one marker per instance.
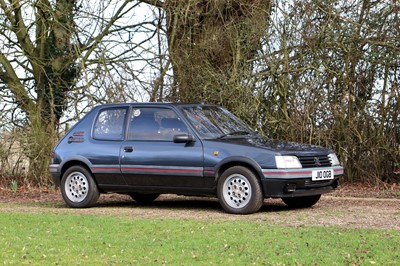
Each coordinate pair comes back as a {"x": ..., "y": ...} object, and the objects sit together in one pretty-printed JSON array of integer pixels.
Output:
[
  {"x": 74, "y": 162},
  {"x": 238, "y": 161}
]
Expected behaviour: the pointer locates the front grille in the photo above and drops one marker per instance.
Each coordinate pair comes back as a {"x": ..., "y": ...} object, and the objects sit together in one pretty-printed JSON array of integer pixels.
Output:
[{"x": 315, "y": 161}]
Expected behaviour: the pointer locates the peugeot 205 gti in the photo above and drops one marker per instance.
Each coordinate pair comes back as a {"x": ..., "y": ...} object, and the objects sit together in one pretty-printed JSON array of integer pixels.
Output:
[{"x": 147, "y": 149}]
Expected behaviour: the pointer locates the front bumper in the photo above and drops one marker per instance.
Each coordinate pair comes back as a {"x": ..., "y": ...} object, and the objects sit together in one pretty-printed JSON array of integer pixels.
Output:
[{"x": 279, "y": 183}]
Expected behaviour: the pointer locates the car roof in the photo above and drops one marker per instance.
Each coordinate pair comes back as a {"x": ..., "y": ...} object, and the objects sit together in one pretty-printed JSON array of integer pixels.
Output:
[{"x": 144, "y": 104}]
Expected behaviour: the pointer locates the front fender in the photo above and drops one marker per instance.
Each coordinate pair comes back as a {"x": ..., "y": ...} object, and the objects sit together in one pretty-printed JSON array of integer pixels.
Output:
[{"x": 237, "y": 160}]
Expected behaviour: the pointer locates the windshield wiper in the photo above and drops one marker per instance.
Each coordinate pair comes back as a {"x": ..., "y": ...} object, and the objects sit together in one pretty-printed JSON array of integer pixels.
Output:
[{"x": 242, "y": 132}]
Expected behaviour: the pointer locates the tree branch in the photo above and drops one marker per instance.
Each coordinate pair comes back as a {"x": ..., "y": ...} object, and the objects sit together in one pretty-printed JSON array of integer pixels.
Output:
[
  {"x": 44, "y": 11},
  {"x": 155, "y": 3},
  {"x": 8, "y": 76},
  {"x": 18, "y": 26},
  {"x": 90, "y": 47}
]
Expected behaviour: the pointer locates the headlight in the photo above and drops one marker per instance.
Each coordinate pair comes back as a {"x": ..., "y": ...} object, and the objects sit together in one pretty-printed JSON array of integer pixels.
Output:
[
  {"x": 287, "y": 162},
  {"x": 334, "y": 159}
]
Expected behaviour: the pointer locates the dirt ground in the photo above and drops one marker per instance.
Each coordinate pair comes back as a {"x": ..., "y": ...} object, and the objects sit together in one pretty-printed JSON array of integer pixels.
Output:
[{"x": 352, "y": 206}]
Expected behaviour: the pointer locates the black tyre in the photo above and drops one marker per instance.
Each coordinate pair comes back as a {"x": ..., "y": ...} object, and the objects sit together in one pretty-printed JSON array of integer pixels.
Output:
[
  {"x": 301, "y": 202},
  {"x": 78, "y": 188},
  {"x": 239, "y": 191},
  {"x": 143, "y": 198}
]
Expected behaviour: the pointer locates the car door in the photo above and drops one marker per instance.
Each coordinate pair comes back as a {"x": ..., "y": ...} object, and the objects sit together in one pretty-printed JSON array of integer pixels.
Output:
[{"x": 150, "y": 157}]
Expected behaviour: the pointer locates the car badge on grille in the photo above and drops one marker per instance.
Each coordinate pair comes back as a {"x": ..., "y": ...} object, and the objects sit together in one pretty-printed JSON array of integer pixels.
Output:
[{"x": 317, "y": 162}]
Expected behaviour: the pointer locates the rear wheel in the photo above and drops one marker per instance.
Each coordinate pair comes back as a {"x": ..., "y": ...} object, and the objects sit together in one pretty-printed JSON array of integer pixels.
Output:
[
  {"x": 301, "y": 202},
  {"x": 239, "y": 191},
  {"x": 143, "y": 197},
  {"x": 78, "y": 188}
]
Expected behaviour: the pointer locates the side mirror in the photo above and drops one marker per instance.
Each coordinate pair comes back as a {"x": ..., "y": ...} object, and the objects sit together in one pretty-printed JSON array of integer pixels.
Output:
[{"x": 184, "y": 138}]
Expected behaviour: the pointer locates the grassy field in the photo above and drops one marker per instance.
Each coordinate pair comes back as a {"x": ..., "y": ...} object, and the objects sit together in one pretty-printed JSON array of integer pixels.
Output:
[{"x": 62, "y": 239}]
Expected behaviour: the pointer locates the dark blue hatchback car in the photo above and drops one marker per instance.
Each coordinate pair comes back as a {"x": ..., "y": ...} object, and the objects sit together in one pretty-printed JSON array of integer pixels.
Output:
[{"x": 147, "y": 149}]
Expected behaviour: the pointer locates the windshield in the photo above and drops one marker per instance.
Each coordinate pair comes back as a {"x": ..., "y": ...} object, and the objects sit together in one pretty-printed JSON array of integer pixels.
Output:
[{"x": 214, "y": 122}]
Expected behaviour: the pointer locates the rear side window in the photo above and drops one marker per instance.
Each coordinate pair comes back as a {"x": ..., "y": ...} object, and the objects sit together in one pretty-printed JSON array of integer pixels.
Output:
[{"x": 109, "y": 124}]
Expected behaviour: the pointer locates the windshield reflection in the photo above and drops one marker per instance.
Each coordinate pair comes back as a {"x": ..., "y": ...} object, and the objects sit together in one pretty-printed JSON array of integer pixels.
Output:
[{"x": 214, "y": 121}]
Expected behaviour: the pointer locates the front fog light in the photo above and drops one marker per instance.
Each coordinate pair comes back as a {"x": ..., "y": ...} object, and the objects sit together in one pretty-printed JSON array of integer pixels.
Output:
[{"x": 287, "y": 161}]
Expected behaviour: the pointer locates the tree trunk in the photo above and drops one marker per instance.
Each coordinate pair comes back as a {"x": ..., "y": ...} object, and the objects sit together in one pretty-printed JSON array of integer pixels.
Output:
[
  {"x": 53, "y": 80},
  {"x": 210, "y": 43},
  {"x": 41, "y": 137}
]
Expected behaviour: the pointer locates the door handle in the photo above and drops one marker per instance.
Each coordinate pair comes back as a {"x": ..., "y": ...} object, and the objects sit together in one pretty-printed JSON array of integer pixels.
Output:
[{"x": 128, "y": 149}]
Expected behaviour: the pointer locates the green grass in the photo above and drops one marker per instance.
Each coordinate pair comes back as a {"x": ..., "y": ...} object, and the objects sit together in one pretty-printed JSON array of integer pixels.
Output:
[{"x": 50, "y": 239}]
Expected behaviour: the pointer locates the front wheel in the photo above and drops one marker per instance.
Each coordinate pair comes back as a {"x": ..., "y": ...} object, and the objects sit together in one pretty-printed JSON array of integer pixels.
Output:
[
  {"x": 239, "y": 191},
  {"x": 78, "y": 188},
  {"x": 301, "y": 202}
]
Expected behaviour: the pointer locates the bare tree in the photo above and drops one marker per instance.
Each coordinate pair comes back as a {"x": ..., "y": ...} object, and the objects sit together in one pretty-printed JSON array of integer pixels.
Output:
[{"x": 56, "y": 52}]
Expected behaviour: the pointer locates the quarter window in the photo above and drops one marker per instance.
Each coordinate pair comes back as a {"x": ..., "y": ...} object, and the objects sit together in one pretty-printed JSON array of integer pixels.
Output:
[{"x": 109, "y": 124}]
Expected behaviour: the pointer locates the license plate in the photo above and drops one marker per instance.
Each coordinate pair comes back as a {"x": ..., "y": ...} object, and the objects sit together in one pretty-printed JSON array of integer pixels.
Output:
[{"x": 318, "y": 175}]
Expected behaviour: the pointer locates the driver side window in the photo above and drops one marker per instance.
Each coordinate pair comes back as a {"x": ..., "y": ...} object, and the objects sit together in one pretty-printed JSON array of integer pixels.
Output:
[{"x": 155, "y": 124}]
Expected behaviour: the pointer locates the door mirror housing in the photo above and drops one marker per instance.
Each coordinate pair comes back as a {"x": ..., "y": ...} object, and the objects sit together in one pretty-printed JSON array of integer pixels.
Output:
[{"x": 184, "y": 138}]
